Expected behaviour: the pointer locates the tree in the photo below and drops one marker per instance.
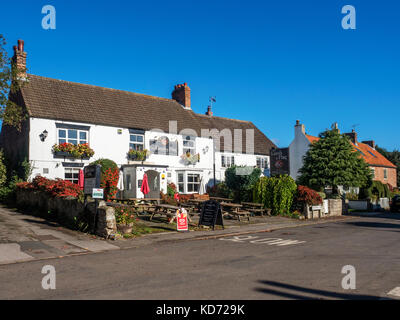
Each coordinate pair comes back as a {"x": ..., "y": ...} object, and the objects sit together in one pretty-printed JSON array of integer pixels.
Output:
[
  {"x": 11, "y": 113},
  {"x": 332, "y": 161},
  {"x": 393, "y": 157},
  {"x": 241, "y": 184}
]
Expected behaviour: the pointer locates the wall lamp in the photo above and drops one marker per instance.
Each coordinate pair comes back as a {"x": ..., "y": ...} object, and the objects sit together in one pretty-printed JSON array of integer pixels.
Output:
[{"x": 43, "y": 135}]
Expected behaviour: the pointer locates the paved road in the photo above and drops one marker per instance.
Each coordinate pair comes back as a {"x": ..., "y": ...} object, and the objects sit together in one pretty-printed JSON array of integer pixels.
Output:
[{"x": 252, "y": 266}]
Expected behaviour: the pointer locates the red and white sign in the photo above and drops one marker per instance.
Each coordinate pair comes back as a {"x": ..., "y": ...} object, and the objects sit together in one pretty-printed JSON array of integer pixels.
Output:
[{"x": 182, "y": 220}]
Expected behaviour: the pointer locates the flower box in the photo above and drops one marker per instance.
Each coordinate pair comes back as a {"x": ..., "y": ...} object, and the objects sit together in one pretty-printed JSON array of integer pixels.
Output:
[
  {"x": 69, "y": 150},
  {"x": 63, "y": 154},
  {"x": 137, "y": 155}
]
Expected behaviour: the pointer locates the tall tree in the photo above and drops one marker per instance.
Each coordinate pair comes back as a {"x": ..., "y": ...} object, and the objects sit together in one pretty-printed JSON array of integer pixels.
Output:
[
  {"x": 393, "y": 157},
  {"x": 10, "y": 112},
  {"x": 332, "y": 161}
]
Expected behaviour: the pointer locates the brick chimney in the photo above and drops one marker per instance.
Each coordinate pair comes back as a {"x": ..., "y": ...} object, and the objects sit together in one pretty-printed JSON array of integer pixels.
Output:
[
  {"x": 353, "y": 136},
  {"x": 19, "y": 60},
  {"x": 371, "y": 143},
  {"x": 209, "y": 112},
  {"x": 181, "y": 94}
]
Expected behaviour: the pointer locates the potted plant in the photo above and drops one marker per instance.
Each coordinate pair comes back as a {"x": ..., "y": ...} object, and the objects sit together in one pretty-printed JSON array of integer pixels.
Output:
[
  {"x": 72, "y": 150},
  {"x": 139, "y": 155},
  {"x": 125, "y": 217}
]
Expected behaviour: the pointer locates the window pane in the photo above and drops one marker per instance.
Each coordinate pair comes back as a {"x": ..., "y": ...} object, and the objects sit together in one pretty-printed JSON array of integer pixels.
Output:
[
  {"x": 72, "y": 134},
  {"x": 83, "y": 135},
  {"x": 133, "y": 138},
  {"x": 139, "y": 138},
  {"x": 62, "y": 134},
  {"x": 75, "y": 142},
  {"x": 62, "y": 141},
  {"x": 180, "y": 177}
]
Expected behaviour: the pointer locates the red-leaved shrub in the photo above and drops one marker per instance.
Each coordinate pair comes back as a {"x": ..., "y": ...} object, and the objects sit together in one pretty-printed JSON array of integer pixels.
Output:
[
  {"x": 55, "y": 188},
  {"x": 308, "y": 196}
]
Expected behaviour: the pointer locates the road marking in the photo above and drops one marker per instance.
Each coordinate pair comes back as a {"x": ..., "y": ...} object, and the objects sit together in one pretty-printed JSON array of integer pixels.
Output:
[
  {"x": 269, "y": 241},
  {"x": 395, "y": 292}
]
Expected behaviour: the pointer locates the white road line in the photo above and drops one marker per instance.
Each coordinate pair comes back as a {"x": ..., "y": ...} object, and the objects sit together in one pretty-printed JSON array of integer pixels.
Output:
[{"x": 395, "y": 292}]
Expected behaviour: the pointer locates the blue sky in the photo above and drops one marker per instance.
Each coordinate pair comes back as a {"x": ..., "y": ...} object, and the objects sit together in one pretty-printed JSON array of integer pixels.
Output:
[{"x": 270, "y": 62}]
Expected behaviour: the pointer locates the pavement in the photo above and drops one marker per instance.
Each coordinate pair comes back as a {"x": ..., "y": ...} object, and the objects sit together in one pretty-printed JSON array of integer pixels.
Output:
[
  {"x": 27, "y": 238},
  {"x": 294, "y": 262}
]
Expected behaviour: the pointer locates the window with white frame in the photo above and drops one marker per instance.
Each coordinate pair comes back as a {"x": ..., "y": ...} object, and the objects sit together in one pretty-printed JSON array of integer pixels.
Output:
[
  {"x": 227, "y": 161},
  {"x": 73, "y": 136},
  {"x": 181, "y": 182},
  {"x": 262, "y": 162},
  {"x": 385, "y": 174},
  {"x": 72, "y": 174},
  {"x": 188, "y": 182},
  {"x": 136, "y": 142},
  {"x": 189, "y": 145},
  {"x": 193, "y": 182}
]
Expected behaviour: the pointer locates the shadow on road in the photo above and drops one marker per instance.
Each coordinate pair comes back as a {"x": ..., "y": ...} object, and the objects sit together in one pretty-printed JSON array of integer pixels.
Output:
[
  {"x": 302, "y": 293},
  {"x": 367, "y": 224}
]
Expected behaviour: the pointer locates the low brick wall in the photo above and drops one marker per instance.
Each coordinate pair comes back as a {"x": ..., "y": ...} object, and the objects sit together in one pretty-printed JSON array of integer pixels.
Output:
[{"x": 69, "y": 209}]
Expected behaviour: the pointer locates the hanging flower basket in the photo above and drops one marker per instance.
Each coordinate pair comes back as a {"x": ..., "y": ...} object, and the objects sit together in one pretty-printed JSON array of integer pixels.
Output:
[
  {"x": 188, "y": 158},
  {"x": 69, "y": 150},
  {"x": 138, "y": 155}
]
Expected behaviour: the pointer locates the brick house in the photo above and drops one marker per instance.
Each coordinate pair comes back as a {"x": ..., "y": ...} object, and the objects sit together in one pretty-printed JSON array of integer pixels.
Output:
[{"x": 382, "y": 169}]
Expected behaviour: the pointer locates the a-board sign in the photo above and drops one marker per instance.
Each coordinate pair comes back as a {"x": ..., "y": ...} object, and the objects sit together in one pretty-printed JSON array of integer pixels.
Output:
[
  {"x": 279, "y": 161},
  {"x": 211, "y": 214},
  {"x": 92, "y": 179},
  {"x": 98, "y": 193},
  {"x": 182, "y": 220}
]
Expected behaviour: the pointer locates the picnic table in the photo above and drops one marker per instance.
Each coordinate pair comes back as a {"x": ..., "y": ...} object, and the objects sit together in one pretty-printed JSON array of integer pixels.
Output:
[
  {"x": 235, "y": 210},
  {"x": 221, "y": 199},
  {"x": 166, "y": 210},
  {"x": 256, "y": 208}
]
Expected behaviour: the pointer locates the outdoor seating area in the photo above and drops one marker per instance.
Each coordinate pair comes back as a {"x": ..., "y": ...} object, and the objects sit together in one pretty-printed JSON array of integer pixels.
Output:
[{"x": 157, "y": 210}]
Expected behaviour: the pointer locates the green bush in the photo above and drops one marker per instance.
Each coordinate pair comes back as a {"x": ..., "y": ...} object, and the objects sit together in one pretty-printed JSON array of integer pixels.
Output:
[
  {"x": 241, "y": 185},
  {"x": 220, "y": 190},
  {"x": 276, "y": 193},
  {"x": 375, "y": 191}
]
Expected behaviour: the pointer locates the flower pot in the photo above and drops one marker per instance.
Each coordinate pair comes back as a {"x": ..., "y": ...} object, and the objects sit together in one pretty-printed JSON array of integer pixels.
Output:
[{"x": 125, "y": 228}]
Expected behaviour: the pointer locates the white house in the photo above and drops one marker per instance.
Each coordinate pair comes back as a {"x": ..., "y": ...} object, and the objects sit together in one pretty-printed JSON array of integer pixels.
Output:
[
  {"x": 382, "y": 169},
  {"x": 112, "y": 122}
]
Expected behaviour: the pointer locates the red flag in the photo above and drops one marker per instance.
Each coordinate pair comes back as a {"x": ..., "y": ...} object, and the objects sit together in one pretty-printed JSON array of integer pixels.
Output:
[
  {"x": 81, "y": 179},
  {"x": 145, "y": 185}
]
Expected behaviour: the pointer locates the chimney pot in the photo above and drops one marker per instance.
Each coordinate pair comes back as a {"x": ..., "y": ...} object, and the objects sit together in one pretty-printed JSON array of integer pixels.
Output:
[
  {"x": 181, "y": 94},
  {"x": 21, "y": 45}
]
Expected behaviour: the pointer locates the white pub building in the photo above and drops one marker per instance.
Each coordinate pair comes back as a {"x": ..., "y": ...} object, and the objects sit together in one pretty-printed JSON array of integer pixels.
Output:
[{"x": 185, "y": 148}]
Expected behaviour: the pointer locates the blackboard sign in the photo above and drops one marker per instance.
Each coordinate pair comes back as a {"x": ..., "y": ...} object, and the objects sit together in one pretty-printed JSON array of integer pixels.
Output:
[
  {"x": 92, "y": 178},
  {"x": 279, "y": 161},
  {"x": 211, "y": 214}
]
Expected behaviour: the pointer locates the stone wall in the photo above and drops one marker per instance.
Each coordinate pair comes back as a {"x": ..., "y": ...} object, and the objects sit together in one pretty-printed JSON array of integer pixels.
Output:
[
  {"x": 69, "y": 210},
  {"x": 335, "y": 207}
]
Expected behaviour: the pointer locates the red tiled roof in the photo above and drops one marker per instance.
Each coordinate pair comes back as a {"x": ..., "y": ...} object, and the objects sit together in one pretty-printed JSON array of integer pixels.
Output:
[{"x": 370, "y": 155}]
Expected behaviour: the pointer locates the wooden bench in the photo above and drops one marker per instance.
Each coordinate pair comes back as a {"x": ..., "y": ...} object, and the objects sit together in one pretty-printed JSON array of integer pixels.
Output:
[
  {"x": 241, "y": 213},
  {"x": 256, "y": 208}
]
